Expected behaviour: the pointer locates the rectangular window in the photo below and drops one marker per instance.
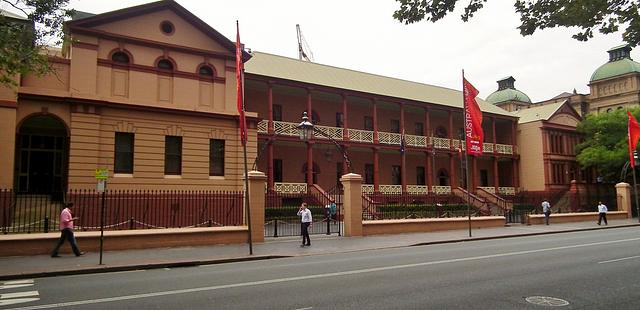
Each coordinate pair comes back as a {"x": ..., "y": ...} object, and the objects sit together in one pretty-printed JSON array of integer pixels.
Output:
[
  {"x": 396, "y": 175},
  {"x": 277, "y": 170},
  {"x": 484, "y": 178},
  {"x": 339, "y": 120},
  {"x": 395, "y": 126},
  {"x": 123, "y": 159},
  {"x": 420, "y": 176},
  {"x": 216, "y": 157},
  {"x": 368, "y": 174},
  {"x": 419, "y": 130},
  {"x": 368, "y": 123},
  {"x": 277, "y": 112},
  {"x": 172, "y": 155}
]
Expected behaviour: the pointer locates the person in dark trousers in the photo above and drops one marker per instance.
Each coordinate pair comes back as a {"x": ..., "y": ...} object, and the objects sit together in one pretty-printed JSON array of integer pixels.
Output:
[
  {"x": 602, "y": 213},
  {"x": 306, "y": 221},
  {"x": 66, "y": 231},
  {"x": 546, "y": 210}
]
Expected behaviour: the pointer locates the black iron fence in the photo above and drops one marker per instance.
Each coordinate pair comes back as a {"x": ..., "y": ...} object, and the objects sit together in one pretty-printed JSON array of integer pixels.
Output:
[
  {"x": 281, "y": 211},
  {"x": 124, "y": 209},
  {"x": 379, "y": 206}
]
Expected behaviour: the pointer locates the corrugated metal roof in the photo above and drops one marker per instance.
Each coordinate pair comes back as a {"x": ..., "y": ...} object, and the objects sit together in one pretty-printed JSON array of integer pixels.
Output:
[
  {"x": 313, "y": 73},
  {"x": 11, "y": 15},
  {"x": 536, "y": 113}
]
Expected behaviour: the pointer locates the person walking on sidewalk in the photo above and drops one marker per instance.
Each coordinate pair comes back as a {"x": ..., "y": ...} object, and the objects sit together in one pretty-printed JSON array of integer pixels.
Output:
[
  {"x": 546, "y": 210},
  {"x": 66, "y": 231},
  {"x": 306, "y": 221},
  {"x": 602, "y": 212}
]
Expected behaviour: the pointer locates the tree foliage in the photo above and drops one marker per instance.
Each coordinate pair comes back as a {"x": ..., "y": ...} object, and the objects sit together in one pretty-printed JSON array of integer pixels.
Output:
[
  {"x": 605, "y": 16},
  {"x": 605, "y": 145},
  {"x": 22, "y": 42}
]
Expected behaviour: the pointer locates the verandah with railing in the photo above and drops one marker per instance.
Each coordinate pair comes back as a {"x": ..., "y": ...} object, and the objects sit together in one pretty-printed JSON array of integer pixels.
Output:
[{"x": 124, "y": 209}]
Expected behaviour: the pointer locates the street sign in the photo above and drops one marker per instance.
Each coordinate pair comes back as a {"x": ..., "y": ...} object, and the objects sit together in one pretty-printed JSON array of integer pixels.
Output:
[{"x": 102, "y": 173}]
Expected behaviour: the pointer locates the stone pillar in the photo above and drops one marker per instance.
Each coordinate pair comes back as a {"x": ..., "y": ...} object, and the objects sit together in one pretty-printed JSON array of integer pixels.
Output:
[
  {"x": 352, "y": 203},
  {"x": 257, "y": 204},
  {"x": 623, "y": 192}
]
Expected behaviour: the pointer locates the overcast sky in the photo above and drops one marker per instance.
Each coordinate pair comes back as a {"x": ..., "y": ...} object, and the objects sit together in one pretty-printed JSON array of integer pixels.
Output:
[{"x": 362, "y": 35}]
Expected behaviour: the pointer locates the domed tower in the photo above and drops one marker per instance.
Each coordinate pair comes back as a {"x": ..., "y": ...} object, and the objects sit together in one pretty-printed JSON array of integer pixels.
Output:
[
  {"x": 507, "y": 96},
  {"x": 616, "y": 84}
]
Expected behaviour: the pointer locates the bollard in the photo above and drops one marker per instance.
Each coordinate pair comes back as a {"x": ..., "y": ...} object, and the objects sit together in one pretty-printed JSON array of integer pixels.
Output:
[
  {"x": 328, "y": 223},
  {"x": 131, "y": 224},
  {"x": 209, "y": 222},
  {"x": 46, "y": 224}
]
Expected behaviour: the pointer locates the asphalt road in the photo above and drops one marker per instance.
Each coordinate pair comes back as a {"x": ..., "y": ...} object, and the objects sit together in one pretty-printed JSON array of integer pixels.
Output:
[{"x": 585, "y": 270}]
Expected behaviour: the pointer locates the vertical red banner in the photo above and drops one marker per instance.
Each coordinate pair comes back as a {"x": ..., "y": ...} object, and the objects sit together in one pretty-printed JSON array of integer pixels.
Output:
[
  {"x": 474, "y": 136},
  {"x": 239, "y": 70},
  {"x": 634, "y": 135}
]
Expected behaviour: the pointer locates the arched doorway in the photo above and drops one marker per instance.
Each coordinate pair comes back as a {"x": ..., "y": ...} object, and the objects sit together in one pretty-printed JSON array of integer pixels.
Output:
[{"x": 42, "y": 148}]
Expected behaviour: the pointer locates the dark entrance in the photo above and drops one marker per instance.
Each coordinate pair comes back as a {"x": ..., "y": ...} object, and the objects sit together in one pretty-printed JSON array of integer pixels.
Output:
[{"x": 41, "y": 155}]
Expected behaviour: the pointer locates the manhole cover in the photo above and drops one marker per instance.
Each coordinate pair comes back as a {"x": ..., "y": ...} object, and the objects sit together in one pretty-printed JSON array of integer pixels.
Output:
[{"x": 547, "y": 301}]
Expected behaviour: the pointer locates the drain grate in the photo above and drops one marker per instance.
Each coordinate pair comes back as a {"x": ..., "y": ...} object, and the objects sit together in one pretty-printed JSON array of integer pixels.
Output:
[{"x": 547, "y": 301}]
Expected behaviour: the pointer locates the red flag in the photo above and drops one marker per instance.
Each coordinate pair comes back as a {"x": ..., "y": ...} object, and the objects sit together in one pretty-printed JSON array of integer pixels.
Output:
[
  {"x": 239, "y": 69},
  {"x": 474, "y": 136},
  {"x": 634, "y": 135}
]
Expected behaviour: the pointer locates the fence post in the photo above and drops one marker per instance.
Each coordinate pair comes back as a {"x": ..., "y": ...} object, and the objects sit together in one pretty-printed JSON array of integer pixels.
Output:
[
  {"x": 352, "y": 202},
  {"x": 46, "y": 224},
  {"x": 257, "y": 187},
  {"x": 623, "y": 193}
]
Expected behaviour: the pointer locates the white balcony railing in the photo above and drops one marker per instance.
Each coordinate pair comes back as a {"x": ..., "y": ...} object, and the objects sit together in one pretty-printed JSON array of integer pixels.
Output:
[
  {"x": 507, "y": 191},
  {"x": 418, "y": 189},
  {"x": 360, "y": 135},
  {"x": 441, "y": 190},
  {"x": 290, "y": 188},
  {"x": 367, "y": 188},
  {"x": 390, "y": 189},
  {"x": 290, "y": 129},
  {"x": 389, "y": 138}
]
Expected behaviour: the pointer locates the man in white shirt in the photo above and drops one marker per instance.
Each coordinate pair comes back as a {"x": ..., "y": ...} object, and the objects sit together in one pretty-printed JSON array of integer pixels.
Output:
[
  {"x": 546, "y": 210},
  {"x": 602, "y": 213},
  {"x": 306, "y": 221}
]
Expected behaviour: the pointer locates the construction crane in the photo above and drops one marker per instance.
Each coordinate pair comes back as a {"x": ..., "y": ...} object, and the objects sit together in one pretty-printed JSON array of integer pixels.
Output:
[{"x": 303, "y": 46}]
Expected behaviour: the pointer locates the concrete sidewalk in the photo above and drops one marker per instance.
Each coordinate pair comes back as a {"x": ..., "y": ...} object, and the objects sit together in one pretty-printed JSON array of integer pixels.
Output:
[{"x": 42, "y": 265}]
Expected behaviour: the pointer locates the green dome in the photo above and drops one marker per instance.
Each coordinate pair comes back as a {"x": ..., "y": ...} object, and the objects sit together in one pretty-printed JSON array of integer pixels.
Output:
[
  {"x": 507, "y": 94},
  {"x": 615, "y": 68}
]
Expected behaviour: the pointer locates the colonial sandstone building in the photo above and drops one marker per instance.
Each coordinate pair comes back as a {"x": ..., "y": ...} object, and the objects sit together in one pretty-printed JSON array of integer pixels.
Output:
[{"x": 149, "y": 93}]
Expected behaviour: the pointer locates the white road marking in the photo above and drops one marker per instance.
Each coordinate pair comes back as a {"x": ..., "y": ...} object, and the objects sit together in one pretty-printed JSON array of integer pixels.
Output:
[
  {"x": 619, "y": 259},
  {"x": 315, "y": 276},
  {"x": 17, "y": 301},
  {"x": 16, "y": 284},
  {"x": 19, "y": 295}
]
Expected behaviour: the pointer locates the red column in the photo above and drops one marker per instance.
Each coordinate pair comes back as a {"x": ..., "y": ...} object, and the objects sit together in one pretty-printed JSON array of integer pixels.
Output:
[
  {"x": 451, "y": 130},
  {"x": 376, "y": 178},
  {"x": 427, "y": 123},
  {"x": 345, "y": 116},
  {"x": 452, "y": 172},
  {"x": 403, "y": 155},
  {"x": 516, "y": 173},
  {"x": 309, "y": 163},
  {"x": 270, "y": 180},
  {"x": 270, "y": 104},
  {"x": 429, "y": 176},
  {"x": 495, "y": 139},
  {"x": 309, "y": 106},
  {"x": 375, "y": 121},
  {"x": 496, "y": 177}
]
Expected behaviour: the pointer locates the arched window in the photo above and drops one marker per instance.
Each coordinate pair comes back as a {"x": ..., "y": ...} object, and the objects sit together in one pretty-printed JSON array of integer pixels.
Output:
[
  {"x": 165, "y": 64},
  {"x": 443, "y": 178},
  {"x": 205, "y": 71},
  {"x": 120, "y": 57}
]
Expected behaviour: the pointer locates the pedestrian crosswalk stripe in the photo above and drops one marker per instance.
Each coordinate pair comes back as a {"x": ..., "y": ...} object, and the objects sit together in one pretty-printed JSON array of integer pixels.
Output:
[
  {"x": 19, "y": 295},
  {"x": 7, "y": 302},
  {"x": 18, "y": 282}
]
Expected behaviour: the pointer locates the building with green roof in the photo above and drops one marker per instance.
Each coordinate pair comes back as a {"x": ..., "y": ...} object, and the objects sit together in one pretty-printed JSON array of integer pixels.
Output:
[
  {"x": 615, "y": 84},
  {"x": 507, "y": 96}
]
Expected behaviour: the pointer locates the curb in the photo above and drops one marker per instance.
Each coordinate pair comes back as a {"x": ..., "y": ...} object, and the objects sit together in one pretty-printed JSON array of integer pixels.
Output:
[{"x": 107, "y": 269}]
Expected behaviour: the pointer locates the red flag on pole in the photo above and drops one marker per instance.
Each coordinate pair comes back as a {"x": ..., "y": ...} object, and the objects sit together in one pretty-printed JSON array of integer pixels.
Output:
[
  {"x": 474, "y": 136},
  {"x": 634, "y": 135},
  {"x": 239, "y": 69}
]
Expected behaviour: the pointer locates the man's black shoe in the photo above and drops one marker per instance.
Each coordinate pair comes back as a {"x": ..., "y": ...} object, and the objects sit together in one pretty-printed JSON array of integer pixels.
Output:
[
  {"x": 55, "y": 255},
  {"x": 81, "y": 253}
]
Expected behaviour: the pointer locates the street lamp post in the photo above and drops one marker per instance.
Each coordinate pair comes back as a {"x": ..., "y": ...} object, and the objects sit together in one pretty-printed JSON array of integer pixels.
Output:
[{"x": 307, "y": 130}]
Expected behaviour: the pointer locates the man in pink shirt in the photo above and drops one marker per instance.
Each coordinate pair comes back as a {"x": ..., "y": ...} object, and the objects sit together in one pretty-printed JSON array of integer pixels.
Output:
[{"x": 66, "y": 229}]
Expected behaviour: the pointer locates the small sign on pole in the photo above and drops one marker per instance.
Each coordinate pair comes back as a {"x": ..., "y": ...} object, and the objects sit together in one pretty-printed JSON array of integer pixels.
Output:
[{"x": 101, "y": 175}]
